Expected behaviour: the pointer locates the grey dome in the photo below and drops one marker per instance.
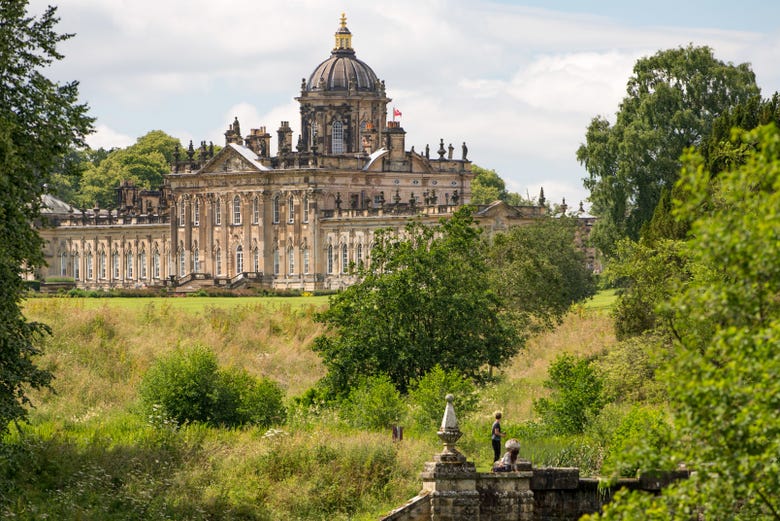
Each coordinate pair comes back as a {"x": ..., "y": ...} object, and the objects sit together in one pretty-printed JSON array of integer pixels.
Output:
[{"x": 336, "y": 73}]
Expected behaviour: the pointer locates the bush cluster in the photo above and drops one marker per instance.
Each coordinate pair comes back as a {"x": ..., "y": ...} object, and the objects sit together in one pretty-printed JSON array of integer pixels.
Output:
[{"x": 188, "y": 386}]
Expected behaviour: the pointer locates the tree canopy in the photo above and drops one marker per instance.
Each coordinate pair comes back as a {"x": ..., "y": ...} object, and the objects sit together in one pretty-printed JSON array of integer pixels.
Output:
[
  {"x": 725, "y": 322},
  {"x": 424, "y": 299},
  {"x": 539, "y": 272},
  {"x": 488, "y": 187},
  {"x": 144, "y": 164},
  {"x": 672, "y": 99},
  {"x": 39, "y": 121}
]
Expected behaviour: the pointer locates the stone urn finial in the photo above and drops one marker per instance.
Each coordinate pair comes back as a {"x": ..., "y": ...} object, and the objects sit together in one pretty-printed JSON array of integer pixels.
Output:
[{"x": 449, "y": 432}]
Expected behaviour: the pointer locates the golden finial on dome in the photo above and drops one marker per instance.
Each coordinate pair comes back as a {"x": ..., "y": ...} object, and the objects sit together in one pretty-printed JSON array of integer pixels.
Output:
[{"x": 343, "y": 36}]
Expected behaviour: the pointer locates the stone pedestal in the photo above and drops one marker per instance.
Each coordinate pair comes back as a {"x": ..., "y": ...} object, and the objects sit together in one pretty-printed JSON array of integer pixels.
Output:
[{"x": 452, "y": 485}]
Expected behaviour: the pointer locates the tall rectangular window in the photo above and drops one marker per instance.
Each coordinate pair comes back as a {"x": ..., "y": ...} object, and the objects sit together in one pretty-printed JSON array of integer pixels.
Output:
[
  {"x": 291, "y": 210},
  {"x": 142, "y": 264},
  {"x": 218, "y": 212},
  {"x": 129, "y": 266},
  {"x": 236, "y": 210},
  {"x": 256, "y": 210},
  {"x": 305, "y": 208},
  {"x": 338, "y": 138},
  {"x": 90, "y": 268},
  {"x": 196, "y": 213},
  {"x": 276, "y": 209},
  {"x": 306, "y": 261}
]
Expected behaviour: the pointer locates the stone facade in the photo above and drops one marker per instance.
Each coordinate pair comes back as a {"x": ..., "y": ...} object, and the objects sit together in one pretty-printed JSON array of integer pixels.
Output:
[{"x": 298, "y": 219}]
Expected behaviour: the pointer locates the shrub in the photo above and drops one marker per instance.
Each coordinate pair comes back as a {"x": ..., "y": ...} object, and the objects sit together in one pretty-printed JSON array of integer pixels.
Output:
[
  {"x": 426, "y": 396},
  {"x": 187, "y": 386},
  {"x": 374, "y": 403},
  {"x": 642, "y": 433},
  {"x": 183, "y": 385},
  {"x": 576, "y": 395},
  {"x": 244, "y": 399}
]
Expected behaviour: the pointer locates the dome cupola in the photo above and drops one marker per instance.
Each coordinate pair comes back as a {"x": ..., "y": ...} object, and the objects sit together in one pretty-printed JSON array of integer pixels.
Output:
[{"x": 343, "y": 71}]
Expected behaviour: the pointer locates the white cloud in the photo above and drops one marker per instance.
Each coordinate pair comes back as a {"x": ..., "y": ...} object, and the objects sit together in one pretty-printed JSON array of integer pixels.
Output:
[{"x": 105, "y": 137}]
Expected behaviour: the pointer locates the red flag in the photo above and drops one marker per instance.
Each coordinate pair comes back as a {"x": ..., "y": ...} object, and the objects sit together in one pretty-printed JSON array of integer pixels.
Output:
[{"x": 396, "y": 113}]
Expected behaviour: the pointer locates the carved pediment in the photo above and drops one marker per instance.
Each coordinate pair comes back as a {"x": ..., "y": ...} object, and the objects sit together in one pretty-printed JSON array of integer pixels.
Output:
[{"x": 233, "y": 158}]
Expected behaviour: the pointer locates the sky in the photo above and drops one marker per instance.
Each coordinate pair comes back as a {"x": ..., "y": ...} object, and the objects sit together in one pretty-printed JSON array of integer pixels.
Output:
[{"x": 518, "y": 81}]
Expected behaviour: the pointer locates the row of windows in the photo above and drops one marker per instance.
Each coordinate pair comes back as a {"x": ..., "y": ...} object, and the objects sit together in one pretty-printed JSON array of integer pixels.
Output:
[
  {"x": 196, "y": 267},
  {"x": 102, "y": 265},
  {"x": 237, "y": 219}
]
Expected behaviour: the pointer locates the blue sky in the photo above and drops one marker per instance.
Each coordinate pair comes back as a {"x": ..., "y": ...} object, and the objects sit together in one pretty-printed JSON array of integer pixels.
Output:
[{"x": 518, "y": 81}]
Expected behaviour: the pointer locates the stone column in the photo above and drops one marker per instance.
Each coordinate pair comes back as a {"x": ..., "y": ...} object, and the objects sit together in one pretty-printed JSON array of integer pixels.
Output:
[{"x": 451, "y": 480}]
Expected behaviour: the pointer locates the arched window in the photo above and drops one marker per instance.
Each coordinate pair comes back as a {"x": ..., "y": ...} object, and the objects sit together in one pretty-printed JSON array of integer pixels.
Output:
[
  {"x": 115, "y": 265},
  {"x": 142, "y": 264},
  {"x": 305, "y": 209},
  {"x": 330, "y": 258},
  {"x": 63, "y": 264},
  {"x": 306, "y": 261},
  {"x": 344, "y": 258},
  {"x": 256, "y": 260},
  {"x": 218, "y": 212},
  {"x": 337, "y": 138},
  {"x": 276, "y": 209},
  {"x": 196, "y": 259},
  {"x": 156, "y": 264},
  {"x": 291, "y": 210},
  {"x": 76, "y": 267},
  {"x": 239, "y": 259},
  {"x": 256, "y": 210},
  {"x": 182, "y": 261},
  {"x": 129, "y": 265},
  {"x": 196, "y": 213},
  {"x": 181, "y": 213},
  {"x": 290, "y": 260},
  {"x": 236, "y": 210},
  {"x": 276, "y": 261},
  {"x": 218, "y": 261},
  {"x": 90, "y": 267},
  {"x": 102, "y": 266}
]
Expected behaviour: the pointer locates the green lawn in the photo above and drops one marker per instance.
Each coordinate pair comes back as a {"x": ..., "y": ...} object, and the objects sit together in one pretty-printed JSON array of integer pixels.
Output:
[
  {"x": 198, "y": 304},
  {"x": 603, "y": 300}
]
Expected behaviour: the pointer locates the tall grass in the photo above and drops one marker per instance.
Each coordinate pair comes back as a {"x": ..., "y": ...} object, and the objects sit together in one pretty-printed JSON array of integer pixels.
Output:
[{"x": 90, "y": 454}]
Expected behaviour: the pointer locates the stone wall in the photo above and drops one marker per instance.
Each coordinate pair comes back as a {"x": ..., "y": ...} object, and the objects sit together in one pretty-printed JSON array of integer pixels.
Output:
[{"x": 539, "y": 494}]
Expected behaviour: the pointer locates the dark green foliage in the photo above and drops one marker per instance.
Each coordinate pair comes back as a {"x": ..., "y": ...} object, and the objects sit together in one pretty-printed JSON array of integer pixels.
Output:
[
  {"x": 539, "y": 272},
  {"x": 576, "y": 395},
  {"x": 672, "y": 99},
  {"x": 645, "y": 277},
  {"x": 187, "y": 386},
  {"x": 143, "y": 164},
  {"x": 427, "y": 396},
  {"x": 722, "y": 376},
  {"x": 39, "y": 121},
  {"x": 374, "y": 403},
  {"x": 423, "y": 299},
  {"x": 243, "y": 399}
]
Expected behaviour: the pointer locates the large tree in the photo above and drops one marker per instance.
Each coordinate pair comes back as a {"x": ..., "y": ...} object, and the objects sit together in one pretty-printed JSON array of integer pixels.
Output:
[
  {"x": 539, "y": 271},
  {"x": 671, "y": 102},
  {"x": 39, "y": 121},
  {"x": 725, "y": 318},
  {"x": 144, "y": 164},
  {"x": 424, "y": 299}
]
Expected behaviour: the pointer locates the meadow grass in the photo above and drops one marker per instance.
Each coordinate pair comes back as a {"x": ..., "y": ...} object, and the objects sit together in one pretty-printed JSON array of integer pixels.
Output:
[{"x": 89, "y": 453}]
